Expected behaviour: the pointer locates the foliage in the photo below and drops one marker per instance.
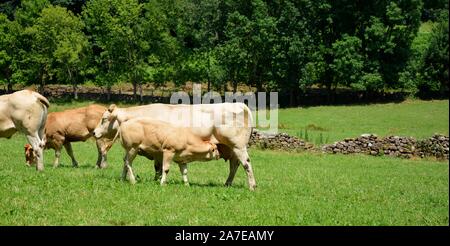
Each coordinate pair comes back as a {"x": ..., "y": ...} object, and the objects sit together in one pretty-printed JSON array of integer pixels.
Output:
[
  {"x": 59, "y": 45},
  {"x": 285, "y": 46},
  {"x": 435, "y": 65}
]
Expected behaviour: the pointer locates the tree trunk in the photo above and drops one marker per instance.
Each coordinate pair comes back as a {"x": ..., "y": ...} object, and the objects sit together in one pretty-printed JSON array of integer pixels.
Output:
[
  {"x": 74, "y": 84},
  {"x": 75, "y": 90},
  {"x": 209, "y": 71},
  {"x": 108, "y": 93},
  {"x": 10, "y": 87},
  {"x": 291, "y": 98},
  {"x": 329, "y": 93},
  {"x": 41, "y": 87},
  {"x": 134, "y": 90},
  {"x": 295, "y": 96},
  {"x": 259, "y": 86},
  {"x": 234, "y": 86},
  {"x": 141, "y": 95}
]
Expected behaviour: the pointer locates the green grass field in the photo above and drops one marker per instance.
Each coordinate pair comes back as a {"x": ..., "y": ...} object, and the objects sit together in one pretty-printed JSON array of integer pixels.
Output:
[
  {"x": 293, "y": 188},
  {"x": 419, "y": 119}
]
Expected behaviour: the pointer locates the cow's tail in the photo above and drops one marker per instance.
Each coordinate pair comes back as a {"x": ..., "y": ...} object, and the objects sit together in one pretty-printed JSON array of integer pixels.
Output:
[
  {"x": 45, "y": 105},
  {"x": 248, "y": 119},
  {"x": 42, "y": 99}
]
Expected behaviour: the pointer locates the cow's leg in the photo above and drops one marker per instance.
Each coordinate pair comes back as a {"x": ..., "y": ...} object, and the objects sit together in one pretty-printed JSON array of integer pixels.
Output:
[
  {"x": 128, "y": 161},
  {"x": 38, "y": 149},
  {"x": 166, "y": 159},
  {"x": 158, "y": 169},
  {"x": 184, "y": 171},
  {"x": 234, "y": 164},
  {"x": 242, "y": 156},
  {"x": 69, "y": 150},
  {"x": 57, "y": 156},
  {"x": 102, "y": 150}
]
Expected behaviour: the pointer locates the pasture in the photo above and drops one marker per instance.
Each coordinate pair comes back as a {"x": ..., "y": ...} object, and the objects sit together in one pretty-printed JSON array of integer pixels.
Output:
[{"x": 293, "y": 188}]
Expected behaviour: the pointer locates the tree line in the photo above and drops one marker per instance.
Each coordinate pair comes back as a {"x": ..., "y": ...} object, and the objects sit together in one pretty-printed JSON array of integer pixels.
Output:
[{"x": 278, "y": 45}]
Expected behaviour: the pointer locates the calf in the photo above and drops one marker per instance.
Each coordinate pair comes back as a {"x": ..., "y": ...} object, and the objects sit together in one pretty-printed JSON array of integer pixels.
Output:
[
  {"x": 229, "y": 125},
  {"x": 74, "y": 125},
  {"x": 162, "y": 141}
]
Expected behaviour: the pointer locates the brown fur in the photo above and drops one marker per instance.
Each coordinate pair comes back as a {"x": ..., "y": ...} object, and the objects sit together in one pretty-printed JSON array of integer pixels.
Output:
[
  {"x": 30, "y": 157},
  {"x": 74, "y": 125}
]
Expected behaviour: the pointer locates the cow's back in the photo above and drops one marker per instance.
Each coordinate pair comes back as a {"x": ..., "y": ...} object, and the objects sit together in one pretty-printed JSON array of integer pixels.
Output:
[
  {"x": 227, "y": 123},
  {"x": 93, "y": 115},
  {"x": 27, "y": 109},
  {"x": 76, "y": 124}
]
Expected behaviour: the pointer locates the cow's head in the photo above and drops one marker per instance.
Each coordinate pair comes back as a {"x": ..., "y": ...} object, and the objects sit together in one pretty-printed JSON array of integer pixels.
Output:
[
  {"x": 214, "y": 151},
  {"x": 30, "y": 157},
  {"x": 108, "y": 123}
]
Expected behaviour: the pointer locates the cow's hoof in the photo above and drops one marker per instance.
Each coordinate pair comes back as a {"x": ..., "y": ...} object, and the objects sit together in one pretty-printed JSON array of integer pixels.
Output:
[{"x": 101, "y": 166}]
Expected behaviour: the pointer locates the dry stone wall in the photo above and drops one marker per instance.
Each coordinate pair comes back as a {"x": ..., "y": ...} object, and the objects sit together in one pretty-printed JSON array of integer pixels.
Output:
[
  {"x": 405, "y": 147},
  {"x": 281, "y": 141}
]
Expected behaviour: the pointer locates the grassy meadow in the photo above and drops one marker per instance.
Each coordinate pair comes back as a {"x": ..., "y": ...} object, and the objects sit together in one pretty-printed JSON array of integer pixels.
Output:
[
  {"x": 327, "y": 124},
  {"x": 293, "y": 188}
]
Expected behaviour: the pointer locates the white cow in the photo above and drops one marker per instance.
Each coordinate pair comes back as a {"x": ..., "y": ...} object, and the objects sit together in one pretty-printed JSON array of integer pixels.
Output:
[
  {"x": 25, "y": 111},
  {"x": 228, "y": 125}
]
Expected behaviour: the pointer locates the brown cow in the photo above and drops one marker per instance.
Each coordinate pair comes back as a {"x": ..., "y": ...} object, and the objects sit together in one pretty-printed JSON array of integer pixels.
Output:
[
  {"x": 25, "y": 111},
  {"x": 74, "y": 125},
  {"x": 165, "y": 142}
]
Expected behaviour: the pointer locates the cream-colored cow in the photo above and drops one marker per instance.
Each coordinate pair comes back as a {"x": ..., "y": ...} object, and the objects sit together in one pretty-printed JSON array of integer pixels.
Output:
[
  {"x": 25, "y": 111},
  {"x": 228, "y": 125},
  {"x": 162, "y": 141}
]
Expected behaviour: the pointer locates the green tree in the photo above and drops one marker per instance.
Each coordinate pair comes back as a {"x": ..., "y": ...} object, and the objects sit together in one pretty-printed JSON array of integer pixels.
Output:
[
  {"x": 25, "y": 70},
  {"x": 59, "y": 46},
  {"x": 6, "y": 55},
  {"x": 433, "y": 8},
  {"x": 348, "y": 62},
  {"x": 126, "y": 39},
  {"x": 435, "y": 65},
  {"x": 292, "y": 47},
  {"x": 251, "y": 29}
]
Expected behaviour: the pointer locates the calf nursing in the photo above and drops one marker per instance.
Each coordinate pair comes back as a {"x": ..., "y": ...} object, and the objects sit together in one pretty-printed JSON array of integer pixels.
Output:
[{"x": 164, "y": 142}]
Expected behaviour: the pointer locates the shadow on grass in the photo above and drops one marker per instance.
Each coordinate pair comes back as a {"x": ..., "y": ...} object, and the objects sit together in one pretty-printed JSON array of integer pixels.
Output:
[
  {"x": 213, "y": 184},
  {"x": 80, "y": 166}
]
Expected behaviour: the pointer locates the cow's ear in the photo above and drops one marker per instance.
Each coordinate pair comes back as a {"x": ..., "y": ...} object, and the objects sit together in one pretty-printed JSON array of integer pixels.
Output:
[
  {"x": 112, "y": 107},
  {"x": 112, "y": 116}
]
